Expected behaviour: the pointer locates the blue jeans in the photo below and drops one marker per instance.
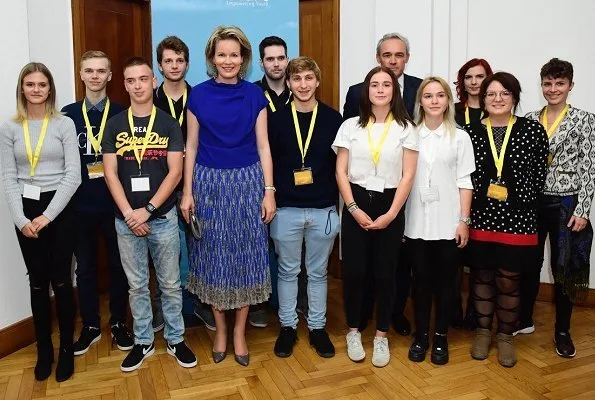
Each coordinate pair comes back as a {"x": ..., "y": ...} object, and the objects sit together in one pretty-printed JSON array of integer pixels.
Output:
[
  {"x": 317, "y": 227},
  {"x": 164, "y": 244}
]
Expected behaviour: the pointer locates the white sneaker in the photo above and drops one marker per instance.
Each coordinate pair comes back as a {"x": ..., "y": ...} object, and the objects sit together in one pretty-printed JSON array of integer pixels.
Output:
[
  {"x": 355, "y": 350},
  {"x": 525, "y": 331},
  {"x": 381, "y": 355}
]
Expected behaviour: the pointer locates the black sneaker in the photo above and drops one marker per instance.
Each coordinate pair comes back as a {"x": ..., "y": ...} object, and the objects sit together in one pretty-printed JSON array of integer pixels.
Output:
[
  {"x": 183, "y": 354},
  {"x": 205, "y": 314},
  {"x": 322, "y": 343},
  {"x": 417, "y": 351},
  {"x": 564, "y": 346},
  {"x": 137, "y": 355},
  {"x": 89, "y": 335},
  {"x": 285, "y": 341},
  {"x": 122, "y": 336},
  {"x": 439, "y": 354}
]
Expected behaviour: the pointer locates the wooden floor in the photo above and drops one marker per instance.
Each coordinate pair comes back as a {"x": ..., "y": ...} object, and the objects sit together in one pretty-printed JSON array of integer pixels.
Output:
[{"x": 539, "y": 374}]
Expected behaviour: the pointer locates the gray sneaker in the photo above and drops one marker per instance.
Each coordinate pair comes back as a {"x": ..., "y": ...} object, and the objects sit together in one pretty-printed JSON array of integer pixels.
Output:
[
  {"x": 258, "y": 317},
  {"x": 158, "y": 321},
  {"x": 205, "y": 314}
]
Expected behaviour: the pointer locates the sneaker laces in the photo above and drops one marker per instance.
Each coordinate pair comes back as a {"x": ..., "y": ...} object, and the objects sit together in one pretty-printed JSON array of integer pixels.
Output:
[
  {"x": 381, "y": 345},
  {"x": 353, "y": 340}
]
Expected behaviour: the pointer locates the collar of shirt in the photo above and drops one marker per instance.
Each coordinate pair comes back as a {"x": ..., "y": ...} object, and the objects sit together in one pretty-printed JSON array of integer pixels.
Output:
[
  {"x": 424, "y": 132},
  {"x": 284, "y": 97},
  {"x": 401, "y": 80},
  {"x": 100, "y": 106},
  {"x": 160, "y": 92}
]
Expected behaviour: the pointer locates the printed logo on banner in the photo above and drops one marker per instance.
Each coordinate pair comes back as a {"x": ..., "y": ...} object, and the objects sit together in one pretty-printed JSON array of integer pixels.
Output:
[{"x": 248, "y": 3}]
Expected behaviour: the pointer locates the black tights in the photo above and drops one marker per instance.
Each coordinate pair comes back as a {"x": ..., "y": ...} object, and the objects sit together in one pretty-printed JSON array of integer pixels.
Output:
[{"x": 497, "y": 290}]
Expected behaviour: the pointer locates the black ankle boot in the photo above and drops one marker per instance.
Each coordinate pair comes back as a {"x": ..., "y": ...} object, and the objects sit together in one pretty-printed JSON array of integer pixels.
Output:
[
  {"x": 65, "y": 367},
  {"x": 419, "y": 347},
  {"x": 439, "y": 350},
  {"x": 45, "y": 359}
]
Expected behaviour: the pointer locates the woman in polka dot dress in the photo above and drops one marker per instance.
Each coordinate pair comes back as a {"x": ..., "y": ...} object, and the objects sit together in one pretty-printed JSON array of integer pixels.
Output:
[{"x": 511, "y": 161}]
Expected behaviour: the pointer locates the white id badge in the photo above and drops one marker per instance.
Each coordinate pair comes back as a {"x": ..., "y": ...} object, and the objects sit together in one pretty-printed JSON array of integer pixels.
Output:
[
  {"x": 375, "y": 184},
  {"x": 429, "y": 194},
  {"x": 140, "y": 183},
  {"x": 31, "y": 192}
]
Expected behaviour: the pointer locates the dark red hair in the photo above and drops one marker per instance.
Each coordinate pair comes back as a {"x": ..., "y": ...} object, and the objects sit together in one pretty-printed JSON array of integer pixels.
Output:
[{"x": 460, "y": 83}]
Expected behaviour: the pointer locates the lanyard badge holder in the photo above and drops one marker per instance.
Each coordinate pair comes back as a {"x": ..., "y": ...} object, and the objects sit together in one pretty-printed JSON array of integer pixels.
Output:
[
  {"x": 303, "y": 176},
  {"x": 31, "y": 191},
  {"x": 140, "y": 182},
  {"x": 550, "y": 130},
  {"x": 375, "y": 183},
  {"x": 497, "y": 189},
  {"x": 95, "y": 169}
]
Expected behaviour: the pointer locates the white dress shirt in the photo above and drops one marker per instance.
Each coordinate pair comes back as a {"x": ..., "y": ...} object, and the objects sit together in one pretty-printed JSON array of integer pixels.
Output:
[
  {"x": 354, "y": 138},
  {"x": 444, "y": 166}
]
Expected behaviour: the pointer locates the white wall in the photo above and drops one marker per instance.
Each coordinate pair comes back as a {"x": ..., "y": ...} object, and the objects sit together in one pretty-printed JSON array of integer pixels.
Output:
[
  {"x": 32, "y": 30},
  {"x": 514, "y": 36}
]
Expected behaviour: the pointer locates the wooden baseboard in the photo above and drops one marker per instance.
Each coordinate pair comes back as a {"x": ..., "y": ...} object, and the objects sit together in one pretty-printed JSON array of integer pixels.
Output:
[{"x": 16, "y": 336}]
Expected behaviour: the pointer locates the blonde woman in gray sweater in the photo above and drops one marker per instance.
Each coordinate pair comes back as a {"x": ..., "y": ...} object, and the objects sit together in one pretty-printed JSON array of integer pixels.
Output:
[{"x": 41, "y": 172}]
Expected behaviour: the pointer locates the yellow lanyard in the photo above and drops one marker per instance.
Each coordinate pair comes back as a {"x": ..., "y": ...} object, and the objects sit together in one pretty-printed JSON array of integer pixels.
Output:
[
  {"x": 467, "y": 119},
  {"x": 298, "y": 132},
  {"x": 499, "y": 159},
  {"x": 171, "y": 105},
  {"x": 268, "y": 96},
  {"x": 375, "y": 149},
  {"x": 550, "y": 131},
  {"x": 33, "y": 159},
  {"x": 95, "y": 141},
  {"x": 145, "y": 139}
]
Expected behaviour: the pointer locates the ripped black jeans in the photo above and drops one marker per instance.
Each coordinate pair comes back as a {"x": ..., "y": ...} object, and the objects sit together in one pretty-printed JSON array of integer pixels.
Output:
[{"x": 49, "y": 261}]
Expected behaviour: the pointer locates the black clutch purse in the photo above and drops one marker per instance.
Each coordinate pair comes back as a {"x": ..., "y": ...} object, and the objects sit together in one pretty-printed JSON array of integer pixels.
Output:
[{"x": 195, "y": 226}]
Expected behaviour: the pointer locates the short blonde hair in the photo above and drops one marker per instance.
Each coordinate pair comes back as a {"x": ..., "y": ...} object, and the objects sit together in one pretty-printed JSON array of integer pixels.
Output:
[
  {"x": 95, "y": 54},
  {"x": 50, "y": 103},
  {"x": 301, "y": 64},
  {"x": 223, "y": 32},
  {"x": 449, "y": 113}
]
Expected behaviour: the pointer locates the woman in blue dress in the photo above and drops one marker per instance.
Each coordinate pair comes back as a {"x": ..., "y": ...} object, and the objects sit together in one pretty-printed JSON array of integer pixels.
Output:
[{"x": 228, "y": 185}]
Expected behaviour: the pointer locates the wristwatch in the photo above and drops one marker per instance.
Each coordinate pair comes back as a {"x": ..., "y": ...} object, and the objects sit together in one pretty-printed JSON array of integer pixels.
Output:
[
  {"x": 150, "y": 208},
  {"x": 465, "y": 220}
]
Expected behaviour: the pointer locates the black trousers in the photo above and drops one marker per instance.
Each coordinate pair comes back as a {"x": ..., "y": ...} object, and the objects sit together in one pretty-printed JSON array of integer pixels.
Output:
[
  {"x": 434, "y": 264},
  {"x": 374, "y": 252},
  {"x": 49, "y": 261},
  {"x": 548, "y": 222},
  {"x": 88, "y": 227}
]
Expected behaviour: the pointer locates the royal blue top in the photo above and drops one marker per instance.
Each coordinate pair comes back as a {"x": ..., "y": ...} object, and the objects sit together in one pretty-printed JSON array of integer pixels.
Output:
[{"x": 227, "y": 116}]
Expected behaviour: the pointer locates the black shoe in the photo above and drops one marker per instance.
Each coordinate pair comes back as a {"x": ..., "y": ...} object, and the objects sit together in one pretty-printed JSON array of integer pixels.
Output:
[
  {"x": 137, "y": 355},
  {"x": 205, "y": 314},
  {"x": 122, "y": 336},
  {"x": 439, "y": 350},
  {"x": 402, "y": 325},
  {"x": 564, "y": 346},
  {"x": 417, "y": 351},
  {"x": 285, "y": 341},
  {"x": 89, "y": 335},
  {"x": 183, "y": 354},
  {"x": 322, "y": 343},
  {"x": 45, "y": 359},
  {"x": 65, "y": 367}
]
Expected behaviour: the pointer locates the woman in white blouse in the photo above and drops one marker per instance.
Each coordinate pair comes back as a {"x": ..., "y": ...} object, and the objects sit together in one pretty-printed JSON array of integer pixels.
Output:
[
  {"x": 437, "y": 214},
  {"x": 376, "y": 158}
]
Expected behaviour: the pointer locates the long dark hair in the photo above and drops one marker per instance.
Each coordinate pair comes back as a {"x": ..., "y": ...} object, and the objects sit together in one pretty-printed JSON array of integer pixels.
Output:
[
  {"x": 460, "y": 83},
  {"x": 397, "y": 107}
]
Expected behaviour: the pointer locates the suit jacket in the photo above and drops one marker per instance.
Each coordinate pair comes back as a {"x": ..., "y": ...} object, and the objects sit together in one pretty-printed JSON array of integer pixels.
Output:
[{"x": 351, "y": 107}]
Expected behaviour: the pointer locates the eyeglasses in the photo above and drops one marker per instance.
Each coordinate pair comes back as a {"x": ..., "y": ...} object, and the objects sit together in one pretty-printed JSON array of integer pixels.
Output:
[{"x": 504, "y": 95}]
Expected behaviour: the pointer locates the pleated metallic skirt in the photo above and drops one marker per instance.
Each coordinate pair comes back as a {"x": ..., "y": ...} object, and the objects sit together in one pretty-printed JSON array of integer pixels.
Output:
[{"x": 229, "y": 264}]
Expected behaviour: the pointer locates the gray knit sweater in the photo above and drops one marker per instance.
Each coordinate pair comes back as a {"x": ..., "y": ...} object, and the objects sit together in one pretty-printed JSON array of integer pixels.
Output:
[{"x": 58, "y": 167}]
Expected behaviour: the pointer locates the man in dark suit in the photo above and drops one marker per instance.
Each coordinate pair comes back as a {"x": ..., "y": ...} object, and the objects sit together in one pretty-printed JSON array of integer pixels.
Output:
[{"x": 392, "y": 51}]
